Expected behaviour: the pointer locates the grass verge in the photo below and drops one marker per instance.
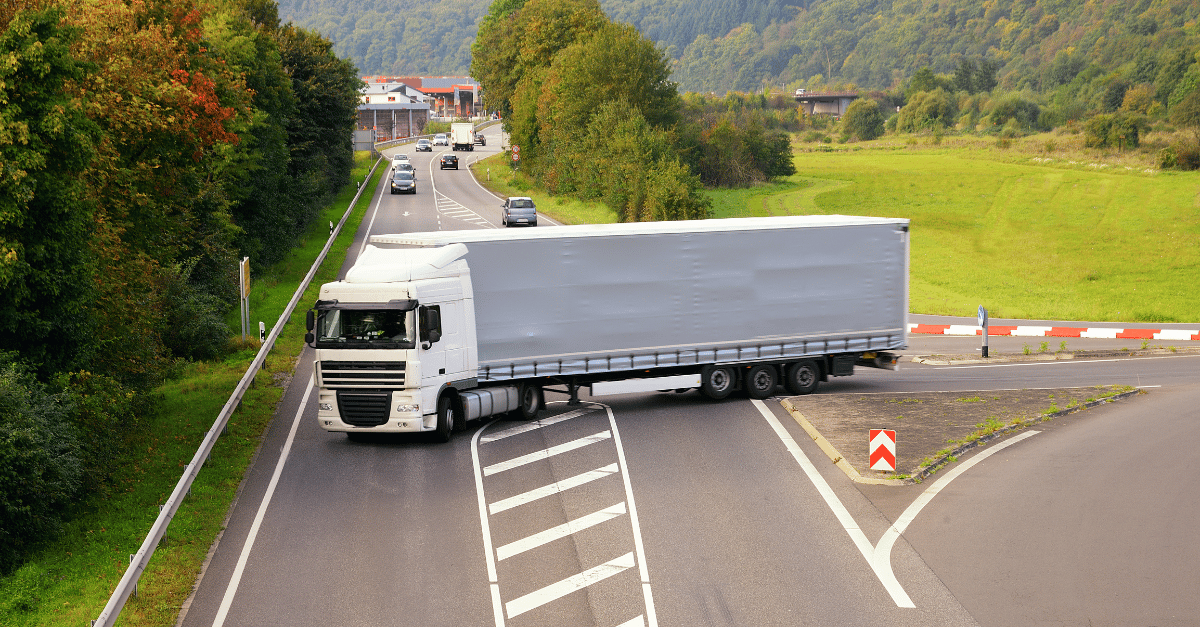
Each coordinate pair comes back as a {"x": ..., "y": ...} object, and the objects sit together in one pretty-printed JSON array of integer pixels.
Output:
[{"x": 70, "y": 580}]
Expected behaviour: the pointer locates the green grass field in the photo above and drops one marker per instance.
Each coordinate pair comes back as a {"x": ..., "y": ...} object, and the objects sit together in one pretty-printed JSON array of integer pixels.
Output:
[{"x": 1022, "y": 237}]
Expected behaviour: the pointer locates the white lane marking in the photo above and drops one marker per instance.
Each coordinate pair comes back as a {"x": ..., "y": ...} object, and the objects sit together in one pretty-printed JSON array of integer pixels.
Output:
[
  {"x": 453, "y": 209},
  {"x": 371, "y": 222},
  {"x": 882, "y": 555},
  {"x": 879, "y": 557},
  {"x": 536, "y": 424},
  {"x": 236, "y": 579},
  {"x": 558, "y": 532},
  {"x": 544, "y": 454},
  {"x": 638, "y": 545},
  {"x": 639, "y": 621},
  {"x": 553, "y": 488},
  {"x": 555, "y": 591},
  {"x": 497, "y": 606}
]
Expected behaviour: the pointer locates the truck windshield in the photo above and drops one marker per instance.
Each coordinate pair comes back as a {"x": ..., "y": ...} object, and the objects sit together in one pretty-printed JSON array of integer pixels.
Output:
[{"x": 370, "y": 328}]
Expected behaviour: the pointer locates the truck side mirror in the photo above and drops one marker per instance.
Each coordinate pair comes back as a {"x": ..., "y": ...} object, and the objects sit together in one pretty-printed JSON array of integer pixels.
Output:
[
  {"x": 309, "y": 324},
  {"x": 431, "y": 324}
]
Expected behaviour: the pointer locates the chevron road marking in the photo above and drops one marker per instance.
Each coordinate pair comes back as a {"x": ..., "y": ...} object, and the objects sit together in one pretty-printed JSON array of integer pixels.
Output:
[{"x": 554, "y": 591}]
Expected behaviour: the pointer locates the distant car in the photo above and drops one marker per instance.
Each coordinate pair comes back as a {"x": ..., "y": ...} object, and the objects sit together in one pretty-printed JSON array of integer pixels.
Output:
[
  {"x": 518, "y": 210},
  {"x": 403, "y": 181},
  {"x": 424, "y": 145},
  {"x": 441, "y": 140},
  {"x": 449, "y": 161},
  {"x": 406, "y": 167},
  {"x": 397, "y": 159},
  {"x": 801, "y": 92},
  {"x": 480, "y": 139}
]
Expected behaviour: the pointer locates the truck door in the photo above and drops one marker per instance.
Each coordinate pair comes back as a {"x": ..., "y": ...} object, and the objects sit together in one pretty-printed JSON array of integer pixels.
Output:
[{"x": 433, "y": 358}]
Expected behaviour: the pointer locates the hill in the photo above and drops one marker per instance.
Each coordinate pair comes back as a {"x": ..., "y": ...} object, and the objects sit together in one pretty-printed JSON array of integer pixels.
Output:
[{"x": 743, "y": 45}]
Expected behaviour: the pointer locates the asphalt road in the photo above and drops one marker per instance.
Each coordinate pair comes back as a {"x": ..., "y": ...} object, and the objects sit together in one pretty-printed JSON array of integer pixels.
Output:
[{"x": 668, "y": 509}]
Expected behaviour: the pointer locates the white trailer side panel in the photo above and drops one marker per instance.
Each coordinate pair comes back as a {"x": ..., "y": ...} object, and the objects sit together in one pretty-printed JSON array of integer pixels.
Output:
[{"x": 603, "y": 298}]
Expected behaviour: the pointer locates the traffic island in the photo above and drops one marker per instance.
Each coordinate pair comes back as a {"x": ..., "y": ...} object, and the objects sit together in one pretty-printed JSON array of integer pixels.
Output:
[{"x": 932, "y": 428}]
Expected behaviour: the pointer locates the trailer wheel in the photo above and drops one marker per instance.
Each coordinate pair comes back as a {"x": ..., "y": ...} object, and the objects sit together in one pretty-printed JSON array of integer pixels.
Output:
[
  {"x": 447, "y": 418},
  {"x": 531, "y": 401},
  {"x": 802, "y": 377},
  {"x": 716, "y": 382},
  {"x": 760, "y": 381}
]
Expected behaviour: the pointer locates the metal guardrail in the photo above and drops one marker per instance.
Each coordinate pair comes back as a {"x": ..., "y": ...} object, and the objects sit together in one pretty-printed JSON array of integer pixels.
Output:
[{"x": 141, "y": 559}]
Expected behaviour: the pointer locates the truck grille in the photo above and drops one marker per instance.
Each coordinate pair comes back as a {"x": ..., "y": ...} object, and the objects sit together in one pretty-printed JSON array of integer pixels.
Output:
[
  {"x": 363, "y": 409},
  {"x": 362, "y": 374}
]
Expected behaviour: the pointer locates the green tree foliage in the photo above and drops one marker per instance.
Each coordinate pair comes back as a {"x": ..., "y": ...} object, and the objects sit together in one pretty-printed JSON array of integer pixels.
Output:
[
  {"x": 144, "y": 146},
  {"x": 41, "y": 470},
  {"x": 863, "y": 119},
  {"x": 1117, "y": 130},
  {"x": 46, "y": 141},
  {"x": 927, "y": 110}
]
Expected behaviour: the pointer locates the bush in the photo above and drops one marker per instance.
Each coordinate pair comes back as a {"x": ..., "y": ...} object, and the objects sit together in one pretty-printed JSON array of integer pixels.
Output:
[
  {"x": 863, "y": 119},
  {"x": 41, "y": 469},
  {"x": 930, "y": 110},
  {"x": 1180, "y": 156},
  {"x": 1117, "y": 130}
]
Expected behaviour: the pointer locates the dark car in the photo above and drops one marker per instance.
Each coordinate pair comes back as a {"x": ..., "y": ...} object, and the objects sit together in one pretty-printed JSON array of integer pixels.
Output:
[
  {"x": 406, "y": 167},
  {"x": 449, "y": 161},
  {"x": 480, "y": 139},
  {"x": 518, "y": 210},
  {"x": 424, "y": 145},
  {"x": 404, "y": 181}
]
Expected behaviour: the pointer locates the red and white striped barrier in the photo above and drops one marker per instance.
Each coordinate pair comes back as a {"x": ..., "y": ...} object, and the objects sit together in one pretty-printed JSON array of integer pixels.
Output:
[{"x": 1037, "y": 331}]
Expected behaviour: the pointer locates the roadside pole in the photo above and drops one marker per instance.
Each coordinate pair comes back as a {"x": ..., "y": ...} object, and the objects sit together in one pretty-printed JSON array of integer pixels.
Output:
[{"x": 983, "y": 322}]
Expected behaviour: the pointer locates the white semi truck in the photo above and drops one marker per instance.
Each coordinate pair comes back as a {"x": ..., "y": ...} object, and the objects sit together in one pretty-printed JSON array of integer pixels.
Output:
[
  {"x": 462, "y": 136},
  {"x": 431, "y": 330}
]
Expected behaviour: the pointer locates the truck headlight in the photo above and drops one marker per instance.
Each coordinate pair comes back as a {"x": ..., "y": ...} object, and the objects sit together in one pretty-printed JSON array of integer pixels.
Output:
[
  {"x": 405, "y": 409},
  {"x": 325, "y": 406}
]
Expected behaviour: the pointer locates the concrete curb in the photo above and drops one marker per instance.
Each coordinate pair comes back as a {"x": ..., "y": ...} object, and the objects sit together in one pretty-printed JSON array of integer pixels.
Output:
[
  {"x": 937, "y": 464},
  {"x": 834, "y": 456}
]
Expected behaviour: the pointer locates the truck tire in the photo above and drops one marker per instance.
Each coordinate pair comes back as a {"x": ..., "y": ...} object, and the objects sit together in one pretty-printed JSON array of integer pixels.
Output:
[
  {"x": 760, "y": 381},
  {"x": 530, "y": 402},
  {"x": 716, "y": 382},
  {"x": 802, "y": 377},
  {"x": 447, "y": 418}
]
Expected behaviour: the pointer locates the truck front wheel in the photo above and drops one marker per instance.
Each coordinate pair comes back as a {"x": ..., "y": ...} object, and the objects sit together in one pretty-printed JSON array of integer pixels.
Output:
[
  {"x": 531, "y": 401},
  {"x": 716, "y": 382},
  {"x": 802, "y": 377},
  {"x": 447, "y": 418}
]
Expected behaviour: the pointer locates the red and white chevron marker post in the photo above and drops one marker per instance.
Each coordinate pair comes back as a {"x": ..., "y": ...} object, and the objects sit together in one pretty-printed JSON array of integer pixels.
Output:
[{"x": 883, "y": 449}]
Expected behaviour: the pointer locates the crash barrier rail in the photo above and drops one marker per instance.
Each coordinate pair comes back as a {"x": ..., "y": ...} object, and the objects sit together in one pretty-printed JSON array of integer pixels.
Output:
[{"x": 139, "y": 560}]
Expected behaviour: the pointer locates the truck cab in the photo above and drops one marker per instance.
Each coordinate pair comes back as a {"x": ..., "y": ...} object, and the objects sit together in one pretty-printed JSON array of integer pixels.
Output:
[{"x": 392, "y": 339}]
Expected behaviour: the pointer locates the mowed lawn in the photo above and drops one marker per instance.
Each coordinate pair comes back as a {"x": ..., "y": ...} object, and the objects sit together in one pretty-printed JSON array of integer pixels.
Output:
[{"x": 1026, "y": 240}]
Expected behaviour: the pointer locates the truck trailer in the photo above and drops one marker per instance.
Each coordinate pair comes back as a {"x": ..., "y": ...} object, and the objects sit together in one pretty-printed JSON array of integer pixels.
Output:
[
  {"x": 430, "y": 330},
  {"x": 462, "y": 136}
]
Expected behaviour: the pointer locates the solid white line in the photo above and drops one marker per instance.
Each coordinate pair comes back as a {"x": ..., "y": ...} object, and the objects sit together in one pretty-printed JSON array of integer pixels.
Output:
[
  {"x": 554, "y": 591},
  {"x": 371, "y": 222},
  {"x": 497, "y": 607},
  {"x": 536, "y": 424},
  {"x": 234, "y": 580},
  {"x": 638, "y": 545},
  {"x": 553, "y": 488},
  {"x": 835, "y": 504},
  {"x": 639, "y": 621},
  {"x": 882, "y": 555},
  {"x": 558, "y": 532},
  {"x": 879, "y": 557},
  {"x": 544, "y": 454}
]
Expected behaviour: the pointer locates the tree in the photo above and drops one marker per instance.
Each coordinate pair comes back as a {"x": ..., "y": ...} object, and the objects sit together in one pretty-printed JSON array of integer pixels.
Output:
[
  {"x": 863, "y": 119},
  {"x": 46, "y": 143}
]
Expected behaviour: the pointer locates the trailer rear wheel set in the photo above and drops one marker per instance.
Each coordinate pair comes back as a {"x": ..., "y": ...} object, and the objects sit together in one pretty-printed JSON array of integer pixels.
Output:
[{"x": 759, "y": 380}]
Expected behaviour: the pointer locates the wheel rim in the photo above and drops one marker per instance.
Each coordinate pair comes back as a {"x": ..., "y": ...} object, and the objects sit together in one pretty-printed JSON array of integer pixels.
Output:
[
  {"x": 762, "y": 381},
  {"x": 719, "y": 380},
  {"x": 805, "y": 376}
]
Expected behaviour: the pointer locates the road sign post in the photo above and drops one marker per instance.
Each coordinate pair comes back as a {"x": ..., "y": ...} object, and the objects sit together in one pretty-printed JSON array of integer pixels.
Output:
[{"x": 983, "y": 322}]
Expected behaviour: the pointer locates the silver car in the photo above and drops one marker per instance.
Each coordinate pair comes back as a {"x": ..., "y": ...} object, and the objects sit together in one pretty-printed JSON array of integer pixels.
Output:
[
  {"x": 518, "y": 210},
  {"x": 441, "y": 139}
]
